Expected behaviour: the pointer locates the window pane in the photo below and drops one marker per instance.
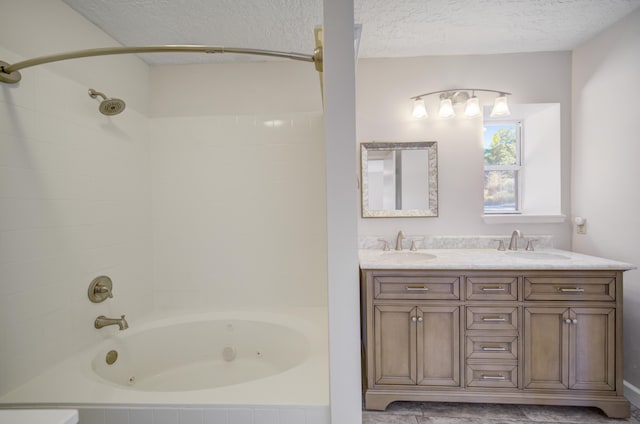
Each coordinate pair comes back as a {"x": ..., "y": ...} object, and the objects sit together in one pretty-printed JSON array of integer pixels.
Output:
[
  {"x": 501, "y": 144},
  {"x": 500, "y": 191}
]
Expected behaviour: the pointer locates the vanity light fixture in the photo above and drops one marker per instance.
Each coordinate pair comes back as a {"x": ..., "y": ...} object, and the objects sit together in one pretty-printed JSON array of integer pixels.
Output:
[
  {"x": 456, "y": 96},
  {"x": 472, "y": 108},
  {"x": 500, "y": 106},
  {"x": 446, "y": 108},
  {"x": 419, "y": 109}
]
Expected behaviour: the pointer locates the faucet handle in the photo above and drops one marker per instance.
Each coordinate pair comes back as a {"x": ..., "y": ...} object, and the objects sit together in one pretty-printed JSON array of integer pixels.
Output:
[
  {"x": 500, "y": 244},
  {"x": 530, "y": 245},
  {"x": 100, "y": 289},
  {"x": 413, "y": 247},
  {"x": 385, "y": 244}
]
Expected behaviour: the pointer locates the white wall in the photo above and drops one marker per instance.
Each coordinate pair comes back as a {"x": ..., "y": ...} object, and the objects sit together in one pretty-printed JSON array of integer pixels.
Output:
[
  {"x": 342, "y": 255},
  {"x": 606, "y": 148},
  {"x": 384, "y": 87},
  {"x": 74, "y": 191},
  {"x": 542, "y": 144}
]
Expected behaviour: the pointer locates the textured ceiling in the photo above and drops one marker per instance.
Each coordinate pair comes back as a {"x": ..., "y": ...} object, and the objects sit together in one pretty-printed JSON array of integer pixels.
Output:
[{"x": 390, "y": 28}]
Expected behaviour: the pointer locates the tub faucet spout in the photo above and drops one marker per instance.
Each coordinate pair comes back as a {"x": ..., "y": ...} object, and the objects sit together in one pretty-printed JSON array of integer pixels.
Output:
[
  {"x": 103, "y": 321},
  {"x": 513, "y": 243}
]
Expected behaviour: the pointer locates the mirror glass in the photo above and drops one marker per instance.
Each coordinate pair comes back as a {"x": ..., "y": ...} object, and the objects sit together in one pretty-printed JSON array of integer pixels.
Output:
[{"x": 399, "y": 179}]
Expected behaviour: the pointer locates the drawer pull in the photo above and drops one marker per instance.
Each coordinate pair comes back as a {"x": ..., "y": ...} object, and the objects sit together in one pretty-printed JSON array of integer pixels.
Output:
[
  {"x": 493, "y": 377},
  {"x": 492, "y": 289},
  {"x": 493, "y": 349},
  {"x": 571, "y": 289},
  {"x": 416, "y": 288},
  {"x": 493, "y": 319}
]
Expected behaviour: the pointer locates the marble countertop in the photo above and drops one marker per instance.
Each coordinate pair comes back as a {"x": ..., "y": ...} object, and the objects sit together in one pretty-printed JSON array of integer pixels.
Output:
[{"x": 479, "y": 259}]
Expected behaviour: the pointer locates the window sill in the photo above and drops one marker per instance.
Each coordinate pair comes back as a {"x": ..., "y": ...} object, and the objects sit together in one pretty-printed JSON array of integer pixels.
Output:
[{"x": 523, "y": 219}]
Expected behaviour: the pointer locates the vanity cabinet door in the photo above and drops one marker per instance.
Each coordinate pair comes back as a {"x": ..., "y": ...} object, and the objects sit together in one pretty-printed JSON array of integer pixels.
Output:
[
  {"x": 592, "y": 349},
  {"x": 546, "y": 348},
  {"x": 569, "y": 348},
  {"x": 438, "y": 341},
  {"x": 395, "y": 344}
]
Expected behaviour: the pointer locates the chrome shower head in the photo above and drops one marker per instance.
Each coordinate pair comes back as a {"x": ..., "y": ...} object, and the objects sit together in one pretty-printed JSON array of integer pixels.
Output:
[{"x": 108, "y": 107}]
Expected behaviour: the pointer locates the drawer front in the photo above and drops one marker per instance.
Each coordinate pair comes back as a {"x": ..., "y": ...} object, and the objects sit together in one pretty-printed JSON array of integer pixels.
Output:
[
  {"x": 492, "y": 318},
  {"x": 573, "y": 288},
  {"x": 492, "y": 288},
  {"x": 434, "y": 288},
  {"x": 492, "y": 347},
  {"x": 492, "y": 375}
]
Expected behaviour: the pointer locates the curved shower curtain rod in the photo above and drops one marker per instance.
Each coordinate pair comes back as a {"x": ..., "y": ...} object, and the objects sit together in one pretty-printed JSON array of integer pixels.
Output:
[{"x": 9, "y": 73}]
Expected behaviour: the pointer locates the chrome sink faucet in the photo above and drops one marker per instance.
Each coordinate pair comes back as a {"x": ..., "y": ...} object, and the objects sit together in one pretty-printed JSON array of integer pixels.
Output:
[
  {"x": 103, "y": 321},
  {"x": 399, "y": 239},
  {"x": 513, "y": 243}
]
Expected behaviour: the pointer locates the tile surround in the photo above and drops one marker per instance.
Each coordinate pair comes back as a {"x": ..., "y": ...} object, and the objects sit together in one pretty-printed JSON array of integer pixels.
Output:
[{"x": 74, "y": 204}]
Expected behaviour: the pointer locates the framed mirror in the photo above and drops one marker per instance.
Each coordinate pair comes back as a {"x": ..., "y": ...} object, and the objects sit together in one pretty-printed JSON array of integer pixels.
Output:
[{"x": 399, "y": 179}]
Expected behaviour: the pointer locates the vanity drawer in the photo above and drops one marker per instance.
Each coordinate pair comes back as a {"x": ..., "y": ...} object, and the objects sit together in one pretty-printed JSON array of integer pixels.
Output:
[
  {"x": 492, "y": 288},
  {"x": 492, "y": 347},
  {"x": 492, "y": 375},
  {"x": 492, "y": 318},
  {"x": 570, "y": 288},
  {"x": 435, "y": 288}
]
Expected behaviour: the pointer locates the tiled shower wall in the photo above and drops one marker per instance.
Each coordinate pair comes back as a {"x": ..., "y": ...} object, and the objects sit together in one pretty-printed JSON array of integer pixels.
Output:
[
  {"x": 239, "y": 210},
  {"x": 74, "y": 204}
]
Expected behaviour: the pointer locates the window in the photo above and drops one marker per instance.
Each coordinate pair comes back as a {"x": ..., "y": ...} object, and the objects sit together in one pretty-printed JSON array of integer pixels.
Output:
[
  {"x": 522, "y": 165},
  {"x": 502, "y": 166}
]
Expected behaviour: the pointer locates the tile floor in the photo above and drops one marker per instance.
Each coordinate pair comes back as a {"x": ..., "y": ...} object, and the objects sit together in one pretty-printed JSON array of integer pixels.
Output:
[{"x": 468, "y": 413}]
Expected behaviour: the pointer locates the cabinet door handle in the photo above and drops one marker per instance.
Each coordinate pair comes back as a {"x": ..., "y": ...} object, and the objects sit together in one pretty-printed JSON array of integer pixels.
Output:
[
  {"x": 493, "y": 377},
  {"x": 492, "y": 289},
  {"x": 571, "y": 289},
  {"x": 420, "y": 319},
  {"x": 493, "y": 349},
  {"x": 414, "y": 319},
  {"x": 567, "y": 321},
  {"x": 416, "y": 288},
  {"x": 493, "y": 319}
]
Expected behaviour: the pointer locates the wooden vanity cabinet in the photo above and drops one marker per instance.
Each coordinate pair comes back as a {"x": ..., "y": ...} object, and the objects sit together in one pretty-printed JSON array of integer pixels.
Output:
[{"x": 530, "y": 337}]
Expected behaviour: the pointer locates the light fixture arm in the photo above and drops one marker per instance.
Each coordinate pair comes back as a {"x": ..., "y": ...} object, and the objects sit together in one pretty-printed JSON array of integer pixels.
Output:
[
  {"x": 455, "y": 90},
  {"x": 9, "y": 72}
]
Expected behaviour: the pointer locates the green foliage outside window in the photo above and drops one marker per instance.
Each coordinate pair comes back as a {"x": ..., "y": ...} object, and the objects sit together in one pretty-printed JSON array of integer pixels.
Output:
[{"x": 501, "y": 154}]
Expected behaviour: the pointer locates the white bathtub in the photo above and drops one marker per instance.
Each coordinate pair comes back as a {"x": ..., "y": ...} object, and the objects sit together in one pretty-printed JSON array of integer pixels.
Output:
[{"x": 223, "y": 367}]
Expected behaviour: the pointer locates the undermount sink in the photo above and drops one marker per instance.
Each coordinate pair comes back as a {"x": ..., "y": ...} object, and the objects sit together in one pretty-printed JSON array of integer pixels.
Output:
[
  {"x": 537, "y": 255},
  {"x": 407, "y": 255}
]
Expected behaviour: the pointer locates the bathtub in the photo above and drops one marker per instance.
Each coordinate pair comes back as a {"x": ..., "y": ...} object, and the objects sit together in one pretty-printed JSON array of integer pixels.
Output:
[{"x": 224, "y": 367}]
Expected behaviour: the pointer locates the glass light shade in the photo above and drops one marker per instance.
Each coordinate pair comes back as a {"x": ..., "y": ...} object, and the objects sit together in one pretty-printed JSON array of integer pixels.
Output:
[
  {"x": 446, "y": 109},
  {"x": 472, "y": 107},
  {"x": 500, "y": 107},
  {"x": 419, "y": 109}
]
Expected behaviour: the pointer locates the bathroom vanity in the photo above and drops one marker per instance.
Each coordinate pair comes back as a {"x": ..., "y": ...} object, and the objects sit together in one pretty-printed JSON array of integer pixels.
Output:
[{"x": 472, "y": 325}]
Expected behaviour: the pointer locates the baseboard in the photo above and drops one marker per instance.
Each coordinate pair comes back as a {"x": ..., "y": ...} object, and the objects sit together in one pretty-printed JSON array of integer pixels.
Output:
[{"x": 632, "y": 393}]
